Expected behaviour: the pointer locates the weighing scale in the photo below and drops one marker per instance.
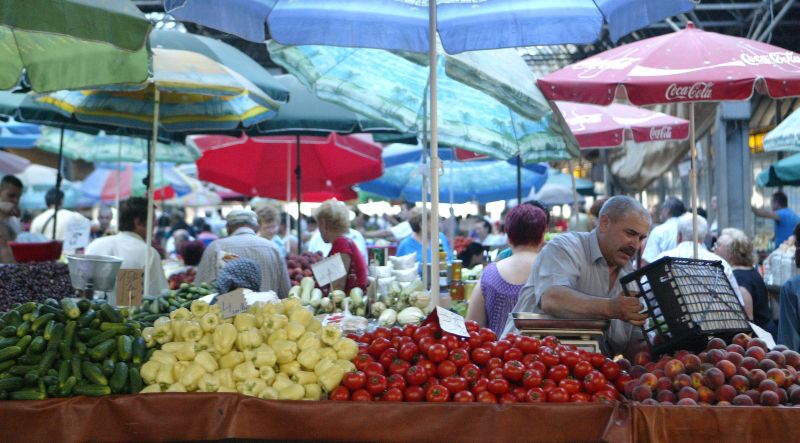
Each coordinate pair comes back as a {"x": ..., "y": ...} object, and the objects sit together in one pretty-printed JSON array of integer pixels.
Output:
[
  {"x": 94, "y": 276},
  {"x": 586, "y": 334}
]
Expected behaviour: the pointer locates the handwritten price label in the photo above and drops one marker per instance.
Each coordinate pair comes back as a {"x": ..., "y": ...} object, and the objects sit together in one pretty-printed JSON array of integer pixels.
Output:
[
  {"x": 232, "y": 303},
  {"x": 329, "y": 270},
  {"x": 451, "y": 322},
  {"x": 77, "y": 234},
  {"x": 130, "y": 287}
]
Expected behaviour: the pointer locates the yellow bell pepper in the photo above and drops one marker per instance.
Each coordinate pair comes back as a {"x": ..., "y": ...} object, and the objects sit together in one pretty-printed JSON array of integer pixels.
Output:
[
  {"x": 176, "y": 387},
  {"x": 244, "y": 321},
  {"x": 177, "y": 329},
  {"x": 165, "y": 377},
  {"x": 331, "y": 378},
  {"x": 162, "y": 333},
  {"x": 225, "y": 377},
  {"x": 274, "y": 322},
  {"x": 224, "y": 338},
  {"x": 205, "y": 343},
  {"x": 265, "y": 357},
  {"x": 248, "y": 339},
  {"x": 281, "y": 381},
  {"x": 304, "y": 377},
  {"x": 186, "y": 352},
  {"x": 291, "y": 304},
  {"x": 172, "y": 347},
  {"x": 314, "y": 326},
  {"x": 178, "y": 369},
  {"x": 231, "y": 359},
  {"x": 180, "y": 314},
  {"x": 330, "y": 334},
  {"x": 163, "y": 320},
  {"x": 208, "y": 383},
  {"x": 149, "y": 389},
  {"x": 328, "y": 353},
  {"x": 322, "y": 366},
  {"x": 308, "y": 341},
  {"x": 245, "y": 371},
  {"x": 267, "y": 374},
  {"x": 279, "y": 334},
  {"x": 308, "y": 358},
  {"x": 191, "y": 331},
  {"x": 345, "y": 365},
  {"x": 199, "y": 308},
  {"x": 206, "y": 361},
  {"x": 313, "y": 392},
  {"x": 192, "y": 375},
  {"x": 149, "y": 371},
  {"x": 251, "y": 387},
  {"x": 209, "y": 322},
  {"x": 163, "y": 357},
  {"x": 147, "y": 333},
  {"x": 224, "y": 388},
  {"x": 285, "y": 350},
  {"x": 292, "y": 392},
  {"x": 269, "y": 393},
  {"x": 302, "y": 316},
  {"x": 346, "y": 348},
  {"x": 294, "y": 330},
  {"x": 290, "y": 368}
]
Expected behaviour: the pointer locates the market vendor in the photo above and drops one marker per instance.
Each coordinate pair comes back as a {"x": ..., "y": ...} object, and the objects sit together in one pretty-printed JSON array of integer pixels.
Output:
[
  {"x": 333, "y": 218},
  {"x": 10, "y": 192},
  {"x": 576, "y": 275}
]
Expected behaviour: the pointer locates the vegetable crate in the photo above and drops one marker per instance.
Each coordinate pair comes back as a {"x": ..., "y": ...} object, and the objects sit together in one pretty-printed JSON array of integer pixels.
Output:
[{"x": 688, "y": 302}]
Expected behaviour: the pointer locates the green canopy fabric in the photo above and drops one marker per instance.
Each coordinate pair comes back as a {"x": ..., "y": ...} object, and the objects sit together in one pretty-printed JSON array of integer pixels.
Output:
[
  {"x": 71, "y": 44},
  {"x": 785, "y": 172}
]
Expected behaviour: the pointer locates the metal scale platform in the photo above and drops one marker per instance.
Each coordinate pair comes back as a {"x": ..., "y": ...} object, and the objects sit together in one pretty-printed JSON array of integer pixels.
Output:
[{"x": 586, "y": 334}]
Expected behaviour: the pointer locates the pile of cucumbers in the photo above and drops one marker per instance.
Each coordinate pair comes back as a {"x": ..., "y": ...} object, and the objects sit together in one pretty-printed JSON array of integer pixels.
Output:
[
  {"x": 69, "y": 347},
  {"x": 154, "y": 307}
]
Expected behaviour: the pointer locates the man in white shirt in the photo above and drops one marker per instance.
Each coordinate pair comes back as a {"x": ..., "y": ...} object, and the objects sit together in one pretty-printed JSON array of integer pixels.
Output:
[
  {"x": 44, "y": 222},
  {"x": 664, "y": 236},
  {"x": 685, "y": 249},
  {"x": 243, "y": 242},
  {"x": 129, "y": 244},
  {"x": 317, "y": 244}
]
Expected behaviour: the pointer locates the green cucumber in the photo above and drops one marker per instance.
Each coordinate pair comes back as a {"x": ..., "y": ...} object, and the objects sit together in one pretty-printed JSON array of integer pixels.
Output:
[
  {"x": 110, "y": 313},
  {"x": 108, "y": 367},
  {"x": 8, "y": 331},
  {"x": 21, "y": 370},
  {"x": 47, "y": 361},
  {"x": 84, "y": 304},
  {"x": 68, "y": 386},
  {"x": 24, "y": 342},
  {"x": 24, "y": 329},
  {"x": 93, "y": 373},
  {"x": 86, "y": 318},
  {"x": 30, "y": 359},
  {"x": 95, "y": 390},
  {"x": 119, "y": 378},
  {"x": 11, "y": 383},
  {"x": 9, "y": 341},
  {"x": 139, "y": 348},
  {"x": 41, "y": 321},
  {"x": 101, "y": 337},
  {"x": 63, "y": 371},
  {"x": 125, "y": 347},
  {"x": 13, "y": 318},
  {"x": 26, "y": 308},
  {"x": 135, "y": 379},
  {"x": 69, "y": 332},
  {"x": 37, "y": 346},
  {"x": 27, "y": 394},
  {"x": 75, "y": 365},
  {"x": 58, "y": 313},
  {"x": 70, "y": 308},
  {"x": 10, "y": 352}
]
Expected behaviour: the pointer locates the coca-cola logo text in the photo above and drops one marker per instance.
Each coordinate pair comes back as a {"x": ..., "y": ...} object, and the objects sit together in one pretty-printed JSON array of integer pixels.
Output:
[
  {"x": 662, "y": 133},
  {"x": 771, "y": 58},
  {"x": 697, "y": 91}
]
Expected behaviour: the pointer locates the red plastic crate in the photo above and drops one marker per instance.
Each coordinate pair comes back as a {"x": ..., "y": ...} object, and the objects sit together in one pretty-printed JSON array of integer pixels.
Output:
[{"x": 36, "y": 252}]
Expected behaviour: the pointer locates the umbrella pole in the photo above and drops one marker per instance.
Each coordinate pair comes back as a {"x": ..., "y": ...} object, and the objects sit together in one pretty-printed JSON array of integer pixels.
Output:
[
  {"x": 693, "y": 178},
  {"x": 297, "y": 173},
  {"x": 289, "y": 197},
  {"x": 426, "y": 277},
  {"x": 519, "y": 178},
  {"x": 58, "y": 180},
  {"x": 434, "y": 157},
  {"x": 119, "y": 180},
  {"x": 574, "y": 194},
  {"x": 150, "y": 170}
]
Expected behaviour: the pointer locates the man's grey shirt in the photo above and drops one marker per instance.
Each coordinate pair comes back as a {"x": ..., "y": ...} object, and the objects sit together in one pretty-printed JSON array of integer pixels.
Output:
[{"x": 574, "y": 260}]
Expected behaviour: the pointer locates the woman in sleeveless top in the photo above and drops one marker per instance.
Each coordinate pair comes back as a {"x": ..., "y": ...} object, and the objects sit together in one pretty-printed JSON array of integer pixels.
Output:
[
  {"x": 333, "y": 218},
  {"x": 497, "y": 293}
]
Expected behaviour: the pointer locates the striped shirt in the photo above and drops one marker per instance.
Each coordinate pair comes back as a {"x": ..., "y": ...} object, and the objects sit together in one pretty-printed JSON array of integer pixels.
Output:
[{"x": 244, "y": 242}]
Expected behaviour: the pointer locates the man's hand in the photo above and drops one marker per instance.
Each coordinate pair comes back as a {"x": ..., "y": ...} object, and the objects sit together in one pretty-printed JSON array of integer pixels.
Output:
[{"x": 627, "y": 308}]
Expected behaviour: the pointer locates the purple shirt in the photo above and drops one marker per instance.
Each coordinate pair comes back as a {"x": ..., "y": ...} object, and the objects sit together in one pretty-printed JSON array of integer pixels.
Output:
[{"x": 499, "y": 296}]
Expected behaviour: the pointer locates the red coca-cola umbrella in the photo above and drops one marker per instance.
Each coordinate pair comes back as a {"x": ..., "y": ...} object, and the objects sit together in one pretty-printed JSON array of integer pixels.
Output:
[
  {"x": 690, "y": 65},
  {"x": 610, "y": 126}
]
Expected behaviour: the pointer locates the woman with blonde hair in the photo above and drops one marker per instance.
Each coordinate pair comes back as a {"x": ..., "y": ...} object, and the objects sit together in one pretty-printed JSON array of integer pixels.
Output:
[
  {"x": 268, "y": 223},
  {"x": 333, "y": 220},
  {"x": 736, "y": 248}
]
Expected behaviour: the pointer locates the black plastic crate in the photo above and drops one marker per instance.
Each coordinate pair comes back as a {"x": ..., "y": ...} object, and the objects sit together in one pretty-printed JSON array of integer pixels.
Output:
[{"x": 688, "y": 302}]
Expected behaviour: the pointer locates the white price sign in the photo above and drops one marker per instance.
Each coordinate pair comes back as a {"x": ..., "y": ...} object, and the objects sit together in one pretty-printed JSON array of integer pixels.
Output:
[
  {"x": 77, "y": 234},
  {"x": 763, "y": 335},
  {"x": 329, "y": 270},
  {"x": 232, "y": 303},
  {"x": 451, "y": 322}
]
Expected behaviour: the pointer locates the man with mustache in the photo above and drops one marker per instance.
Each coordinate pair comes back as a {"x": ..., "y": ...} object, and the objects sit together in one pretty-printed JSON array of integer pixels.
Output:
[{"x": 576, "y": 275}]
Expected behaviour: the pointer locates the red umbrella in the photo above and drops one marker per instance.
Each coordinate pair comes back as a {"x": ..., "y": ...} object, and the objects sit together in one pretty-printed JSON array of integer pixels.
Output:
[
  {"x": 339, "y": 194},
  {"x": 686, "y": 66},
  {"x": 610, "y": 126},
  {"x": 266, "y": 166}
]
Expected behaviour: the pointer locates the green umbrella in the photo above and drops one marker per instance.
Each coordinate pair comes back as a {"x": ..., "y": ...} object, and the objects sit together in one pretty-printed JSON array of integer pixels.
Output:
[
  {"x": 69, "y": 44},
  {"x": 785, "y": 172},
  {"x": 112, "y": 148}
]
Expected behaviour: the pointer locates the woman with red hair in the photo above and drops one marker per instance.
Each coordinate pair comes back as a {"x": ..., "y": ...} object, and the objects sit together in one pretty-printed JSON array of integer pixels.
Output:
[{"x": 497, "y": 293}]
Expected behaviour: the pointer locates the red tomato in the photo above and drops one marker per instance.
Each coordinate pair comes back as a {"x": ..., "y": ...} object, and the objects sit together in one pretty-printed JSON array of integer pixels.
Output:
[
  {"x": 446, "y": 369},
  {"x": 519, "y": 393},
  {"x": 621, "y": 380},
  {"x": 365, "y": 338},
  {"x": 387, "y": 357},
  {"x": 408, "y": 330},
  {"x": 604, "y": 396},
  {"x": 474, "y": 340},
  {"x": 479, "y": 386},
  {"x": 472, "y": 326},
  {"x": 396, "y": 330},
  {"x": 580, "y": 397},
  {"x": 495, "y": 373},
  {"x": 513, "y": 370},
  {"x": 531, "y": 378},
  {"x": 354, "y": 380},
  {"x": 550, "y": 342},
  {"x": 582, "y": 369},
  {"x": 597, "y": 359},
  {"x": 535, "y": 395},
  {"x": 610, "y": 369},
  {"x": 396, "y": 341},
  {"x": 498, "y": 386},
  {"x": 392, "y": 394},
  {"x": 451, "y": 341},
  {"x": 437, "y": 352},
  {"x": 512, "y": 354},
  {"x": 376, "y": 384},
  {"x": 339, "y": 394},
  {"x": 430, "y": 367},
  {"x": 455, "y": 384},
  {"x": 416, "y": 375},
  {"x": 558, "y": 373},
  {"x": 486, "y": 397},
  {"x": 373, "y": 368},
  {"x": 437, "y": 393},
  {"x": 464, "y": 397},
  {"x": 594, "y": 382},
  {"x": 425, "y": 344},
  {"x": 459, "y": 356},
  {"x": 494, "y": 362},
  {"x": 537, "y": 366},
  {"x": 382, "y": 332},
  {"x": 528, "y": 345},
  {"x": 512, "y": 338},
  {"x": 414, "y": 393},
  {"x": 548, "y": 385},
  {"x": 396, "y": 381},
  {"x": 500, "y": 347},
  {"x": 570, "y": 358},
  {"x": 361, "y": 395},
  {"x": 487, "y": 334},
  {"x": 548, "y": 356},
  {"x": 422, "y": 331},
  {"x": 361, "y": 361},
  {"x": 571, "y": 385},
  {"x": 558, "y": 395},
  {"x": 399, "y": 367},
  {"x": 408, "y": 351},
  {"x": 352, "y": 336},
  {"x": 470, "y": 371},
  {"x": 481, "y": 356},
  {"x": 508, "y": 398},
  {"x": 435, "y": 329},
  {"x": 378, "y": 345}
]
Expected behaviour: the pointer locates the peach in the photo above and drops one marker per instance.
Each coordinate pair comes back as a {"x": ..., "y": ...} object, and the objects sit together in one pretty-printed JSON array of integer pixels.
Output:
[
  {"x": 642, "y": 358},
  {"x": 792, "y": 359},
  {"x": 630, "y": 386},
  {"x": 726, "y": 393},
  {"x": 780, "y": 348},
  {"x": 659, "y": 373},
  {"x": 637, "y": 371},
  {"x": 681, "y": 381},
  {"x": 741, "y": 339},
  {"x": 794, "y": 395},
  {"x": 716, "y": 355},
  {"x": 757, "y": 342},
  {"x": 650, "y": 401},
  {"x": 782, "y": 396},
  {"x": 767, "y": 364},
  {"x": 742, "y": 400},
  {"x": 648, "y": 380},
  {"x": 666, "y": 396},
  {"x": 723, "y": 403},
  {"x": 734, "y": 358},
  {"x": 715, "y": 343},
  {"x": 686, "y": 402},
  {"x": 641, "y": 393},
  {"x": 741, "y": 370},
  {"x": 789, "y": 378},
  {"x": 777, "y": 357},
  {"x": 735, "y": 349},
  {"x": 713, "y": 378},
  {"x": 769, "y": 398},
  {"x": 768, "y": 385},
  {"x": 749, "y": 363},
  {"x": 688, "y": 392},
  {"x": 754, "y": 395},
  {"x": 703, "y": 356},
  {"x": 650, "y": 367},
  {"x": 740, "y": 383},
  {"x": 756, "y": 376},
  {"x": 691, "y": 363},
  {"x": 706, "y": 395},
  {"x": 756, "y": 352},
  {"x": 673, "y": 368},
  {"x": 727, "y": 368},
  {"x": 697, "y": 380},
  {"x": 624, "y": 364},
  {"x": 680, "y": 354},
  {"x": 705, "y": 367},
  {"x": 666, "y": 403},
  {"x": 777, "y": 376},
  {"x": 662, "y": 361},
  {"x": 663, "y": 383}
]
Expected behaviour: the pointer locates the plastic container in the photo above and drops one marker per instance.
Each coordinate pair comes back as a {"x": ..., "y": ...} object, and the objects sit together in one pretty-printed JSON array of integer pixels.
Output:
[
  {"x": 36, "y": 252},
  {"x": 688, "y": 302}
]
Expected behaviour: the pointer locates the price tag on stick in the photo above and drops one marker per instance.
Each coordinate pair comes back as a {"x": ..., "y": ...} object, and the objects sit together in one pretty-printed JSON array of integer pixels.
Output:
[
  {"x": 130, "y": 286},
  {"x": 329, "y": 270},
  {"x": 232, "y": 303}
]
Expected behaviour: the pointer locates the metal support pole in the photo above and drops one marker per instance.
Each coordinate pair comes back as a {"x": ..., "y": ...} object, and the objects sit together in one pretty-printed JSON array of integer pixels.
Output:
[
  {"x": 434, "y": 155},
  {"x": 299, "y": 193}
]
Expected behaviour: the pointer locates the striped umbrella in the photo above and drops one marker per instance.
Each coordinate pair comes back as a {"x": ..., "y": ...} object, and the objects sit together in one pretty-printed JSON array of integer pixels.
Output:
[{"x": 109, "y": 181}]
